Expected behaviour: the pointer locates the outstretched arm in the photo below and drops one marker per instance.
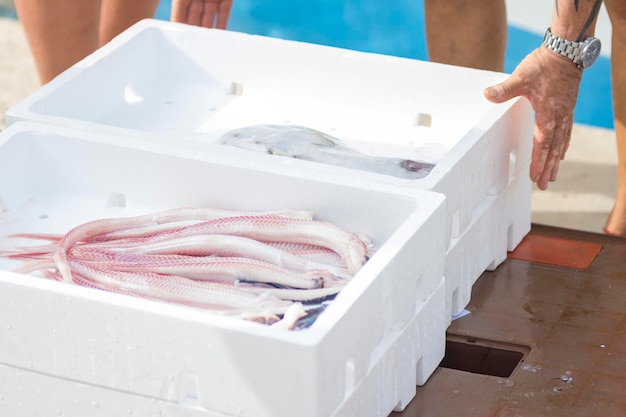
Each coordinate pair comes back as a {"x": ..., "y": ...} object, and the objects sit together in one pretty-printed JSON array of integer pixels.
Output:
[{"x": 551, "y": 82}]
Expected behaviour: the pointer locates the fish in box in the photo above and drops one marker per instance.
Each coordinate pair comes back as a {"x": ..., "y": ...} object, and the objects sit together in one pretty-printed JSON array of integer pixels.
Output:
[
  {"x": 255, "y": 264},
  {"x": 311, "y": 145},
  {"x": 384, "y": 332}
]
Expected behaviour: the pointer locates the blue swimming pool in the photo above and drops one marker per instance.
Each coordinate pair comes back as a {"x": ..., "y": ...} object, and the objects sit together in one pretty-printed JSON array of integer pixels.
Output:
[{"x": 392, "y": 28}]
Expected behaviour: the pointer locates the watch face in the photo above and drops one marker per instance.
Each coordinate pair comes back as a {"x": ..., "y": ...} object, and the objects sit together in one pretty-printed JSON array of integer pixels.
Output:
[{"x": 590, "y": 53}]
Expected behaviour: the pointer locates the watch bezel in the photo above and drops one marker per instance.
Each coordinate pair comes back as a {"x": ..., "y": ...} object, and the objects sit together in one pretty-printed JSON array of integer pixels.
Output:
[{"x": 590, "y": 52}]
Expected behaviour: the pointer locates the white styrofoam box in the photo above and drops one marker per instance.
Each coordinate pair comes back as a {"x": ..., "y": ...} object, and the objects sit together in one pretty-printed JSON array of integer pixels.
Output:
[
  {"x": 171, "y": 82},
  {"x": 26, "y": 392},
  {"x": 499, "y": 223},
  {"x": 370, "y": 339}
]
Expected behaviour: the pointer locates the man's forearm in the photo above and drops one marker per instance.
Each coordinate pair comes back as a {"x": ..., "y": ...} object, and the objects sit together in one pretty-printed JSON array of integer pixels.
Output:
[{"x": 575, "y": 19}]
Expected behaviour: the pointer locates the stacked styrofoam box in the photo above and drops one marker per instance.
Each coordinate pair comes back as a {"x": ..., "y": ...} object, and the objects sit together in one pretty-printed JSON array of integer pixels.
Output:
[
  {"x": 499, "y": 223},
  {"x": 499, "y": 219},
  {"x": 166, "y": 84},
  {"x": 77, "y": 351},
  {"x": 171, "y": 83},
  {"x": 188, "y": 389}
]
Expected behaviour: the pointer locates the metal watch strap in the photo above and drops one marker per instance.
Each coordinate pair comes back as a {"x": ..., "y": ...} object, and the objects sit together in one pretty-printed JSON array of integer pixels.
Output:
[{"x": 564, "y": 47}]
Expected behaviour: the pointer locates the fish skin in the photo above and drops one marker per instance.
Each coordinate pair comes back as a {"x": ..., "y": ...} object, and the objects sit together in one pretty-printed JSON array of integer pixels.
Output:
[
  {"x": 89, "y": 230},
  {"x": 351, "y": 247},
  {"x": 312, "y": 145},
  {"x": 228, "y": 245},
  {"x": 170, "y": 288},
  {"x": 228, "y": 269}
]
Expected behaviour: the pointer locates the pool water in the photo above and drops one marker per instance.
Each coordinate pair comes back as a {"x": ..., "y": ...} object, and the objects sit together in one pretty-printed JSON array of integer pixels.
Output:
[
  {"x": 393, "y": 28},
  {"x": 7, "y": 12}
]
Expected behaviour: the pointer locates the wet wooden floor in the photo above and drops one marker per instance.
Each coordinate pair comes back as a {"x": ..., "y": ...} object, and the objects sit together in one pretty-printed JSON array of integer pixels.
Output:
[{"x": 559, "y": 301}]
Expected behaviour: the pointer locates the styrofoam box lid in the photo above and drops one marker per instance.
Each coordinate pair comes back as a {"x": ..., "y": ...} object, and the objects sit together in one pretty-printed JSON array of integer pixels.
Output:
[
  {"x": 184, "y": 83},
  {"x": 54, "y": 178}
]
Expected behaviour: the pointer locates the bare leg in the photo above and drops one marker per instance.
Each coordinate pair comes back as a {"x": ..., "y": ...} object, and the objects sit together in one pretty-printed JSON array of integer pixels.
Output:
[
  {"x": 469, "y": 33},
  {"x": 59, "y": 33},
  {"x": 616, "y": 222},
  {"x": 119, "y": 15}
]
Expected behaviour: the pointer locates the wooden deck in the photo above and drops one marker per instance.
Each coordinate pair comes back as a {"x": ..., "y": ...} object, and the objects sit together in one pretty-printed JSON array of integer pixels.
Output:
[{"x": 558, "y": 304}]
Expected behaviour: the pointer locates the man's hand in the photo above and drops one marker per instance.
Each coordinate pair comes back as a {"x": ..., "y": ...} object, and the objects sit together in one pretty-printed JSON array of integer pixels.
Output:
[{"x": 551, "y": 84}]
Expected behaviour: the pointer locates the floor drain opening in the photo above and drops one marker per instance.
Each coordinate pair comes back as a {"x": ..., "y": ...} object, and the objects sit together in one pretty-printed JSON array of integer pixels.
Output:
[{"x": 482, "y": 356}]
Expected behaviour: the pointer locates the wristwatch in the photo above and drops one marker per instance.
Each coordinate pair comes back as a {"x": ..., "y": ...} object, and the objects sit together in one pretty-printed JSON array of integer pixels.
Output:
[{"x": 584, "y": 53}]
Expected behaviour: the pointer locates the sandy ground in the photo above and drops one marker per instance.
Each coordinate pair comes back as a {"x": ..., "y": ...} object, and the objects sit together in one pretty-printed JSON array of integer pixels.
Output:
[{"x": 580, "y": 199}]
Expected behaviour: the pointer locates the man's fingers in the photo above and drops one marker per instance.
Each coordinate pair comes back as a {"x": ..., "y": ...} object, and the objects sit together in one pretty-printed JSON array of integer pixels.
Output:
[
  {"x": 504, "y": 91},
  {"x": 560, "y": 145},
  {"x": 548, "y": 151},
  {"x": 179, "y": 11},
  {"x": 194, "y": 13},
  {"x": 568, "y": 135},
  {"x": 208, "y": 14},
  {"x": 223, "y": 14},
  {"x": 541, "y": 149}
]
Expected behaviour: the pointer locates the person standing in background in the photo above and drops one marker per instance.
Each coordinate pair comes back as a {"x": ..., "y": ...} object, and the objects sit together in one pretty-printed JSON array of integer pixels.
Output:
[
  {"x": 62, "y": 32},
  {"x": 473, "y": 33}
]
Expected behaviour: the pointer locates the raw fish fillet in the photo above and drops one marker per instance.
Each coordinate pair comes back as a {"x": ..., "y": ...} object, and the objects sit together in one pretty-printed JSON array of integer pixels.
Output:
[{"x": 312, "y": 145}]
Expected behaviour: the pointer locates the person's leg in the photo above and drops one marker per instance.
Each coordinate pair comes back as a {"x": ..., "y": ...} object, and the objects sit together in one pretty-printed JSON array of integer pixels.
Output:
[
  {"x": 616, "y": 222},
  {"x": 59, "y": 33},
  {"x": 118, "y": 15},
  {"x": 469, "y": 33}
]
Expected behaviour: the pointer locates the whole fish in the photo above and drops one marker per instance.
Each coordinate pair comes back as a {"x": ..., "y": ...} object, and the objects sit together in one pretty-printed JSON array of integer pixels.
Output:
[{"x": 312, "y": 145}]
